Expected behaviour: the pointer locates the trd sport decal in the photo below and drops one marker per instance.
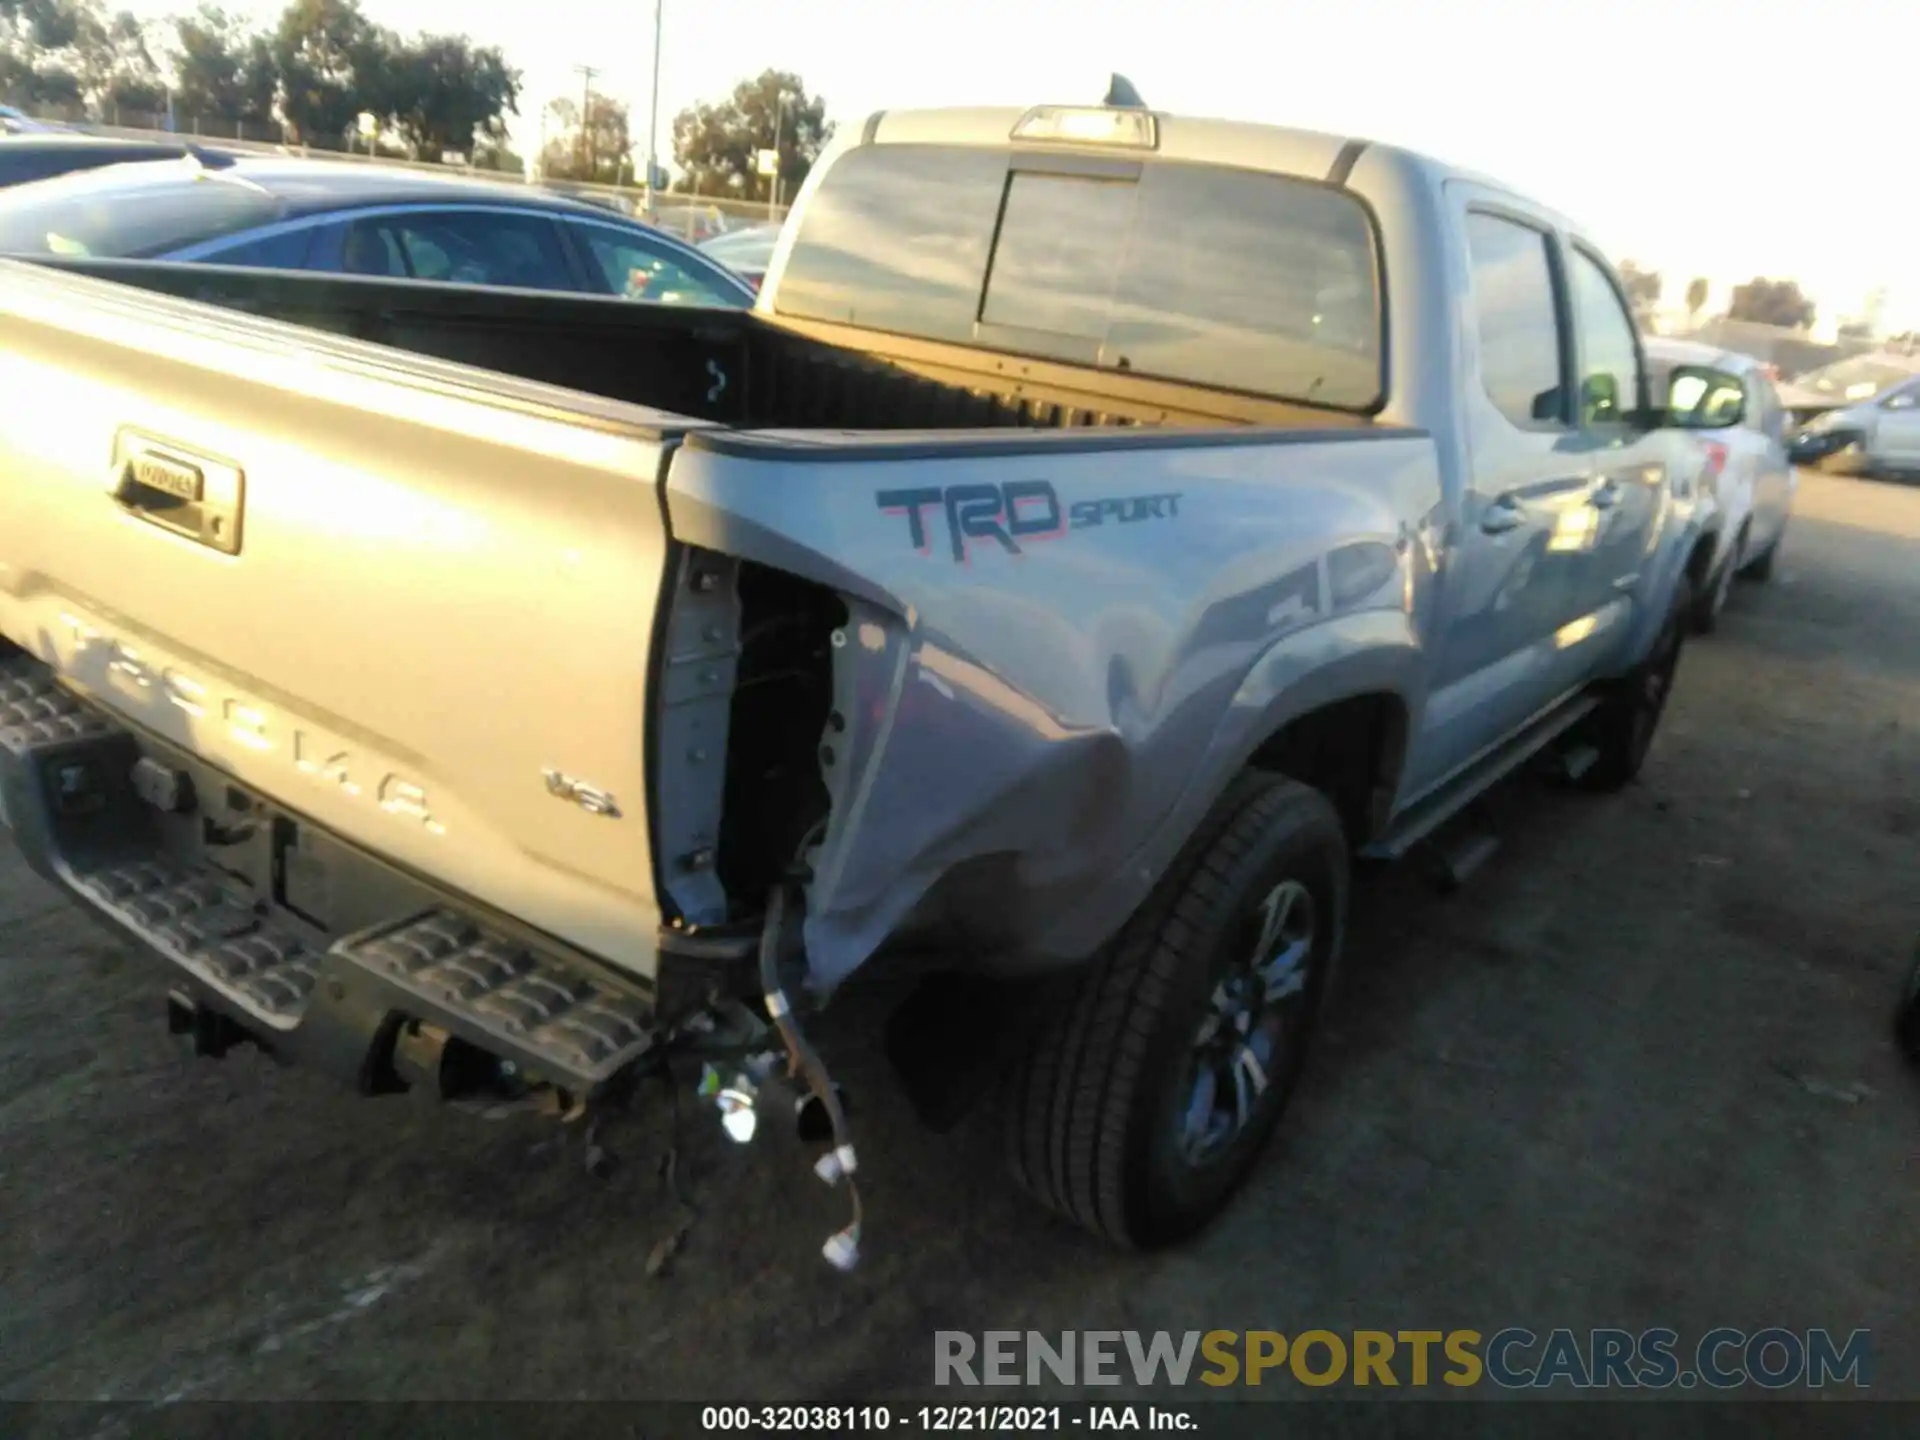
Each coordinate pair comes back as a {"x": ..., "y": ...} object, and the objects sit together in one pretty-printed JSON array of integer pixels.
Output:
[{"x": 1015, "y": 512}]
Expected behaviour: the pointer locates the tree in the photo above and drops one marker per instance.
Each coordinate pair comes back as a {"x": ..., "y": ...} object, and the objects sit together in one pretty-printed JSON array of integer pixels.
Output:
[
  {"x": 318, "y": 47},
  {"x": 37, "y": 66},
  {"x": 1642, "y": 286},
  {"x": 602, "y": 150},
  {"x": 492, "y": 152},
  {"x": 1771, "y": 302},
  {"x": 124, "y": 74},
  {"x": 258, "y": 81},
  {"x": 1696, "y": 295},
  {"x": 716, "y": 145},
  {"x": 65, "y": 52},
  {"x": 208, "y": 65},
  {"x": 443, "y": 90}
]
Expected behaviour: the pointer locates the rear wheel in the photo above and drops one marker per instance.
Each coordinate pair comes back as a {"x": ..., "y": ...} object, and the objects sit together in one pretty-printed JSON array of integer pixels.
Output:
[
  {"x": 1906, "y": 1025},
  {"x": 1760, "y": 568},
  {"x": 1147, "y": 1097},
  {"x": 1706, "y": 610},
  {"x": 1849, "y": 460},
  {"x": 1622, "y": 728}
]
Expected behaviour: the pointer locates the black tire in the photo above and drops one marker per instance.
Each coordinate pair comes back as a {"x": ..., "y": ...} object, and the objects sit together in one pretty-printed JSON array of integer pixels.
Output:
[
  {"x": 1906, "y": 1022},
  {"x": 1622, "y": 729},
  {"x": 1849, "y": 462},
  {"x": 1712, "y": 600},
  {"x": 1760, "y": 568},
  {"x": 1104, "y": 1113}
]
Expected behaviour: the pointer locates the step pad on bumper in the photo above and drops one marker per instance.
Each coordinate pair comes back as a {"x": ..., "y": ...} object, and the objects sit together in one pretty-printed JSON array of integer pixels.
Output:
[
  {"x": 507, "y": 989},
  {"x": 266, "y": 969},
  {"x": 69, "y": 792}
]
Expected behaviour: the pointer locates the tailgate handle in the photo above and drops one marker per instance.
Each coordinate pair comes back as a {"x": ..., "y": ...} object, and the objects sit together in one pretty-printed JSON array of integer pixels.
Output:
[{"x": 195, "y": 496}]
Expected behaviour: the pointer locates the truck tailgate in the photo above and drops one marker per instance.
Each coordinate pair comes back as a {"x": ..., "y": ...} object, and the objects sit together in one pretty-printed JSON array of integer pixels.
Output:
[{"x": 387, "y": 592}]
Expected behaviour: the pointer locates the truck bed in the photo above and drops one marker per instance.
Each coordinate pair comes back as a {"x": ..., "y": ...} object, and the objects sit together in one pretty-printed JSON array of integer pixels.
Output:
[{"x": 489, "y": 674}]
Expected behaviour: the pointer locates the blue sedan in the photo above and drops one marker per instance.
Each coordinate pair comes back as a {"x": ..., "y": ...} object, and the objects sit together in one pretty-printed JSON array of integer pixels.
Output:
[{"x": 358, "y": 219}]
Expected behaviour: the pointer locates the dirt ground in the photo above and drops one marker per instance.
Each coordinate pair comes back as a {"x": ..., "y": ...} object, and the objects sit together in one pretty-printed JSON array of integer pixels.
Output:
[{"x": 1638, "y": 1073}]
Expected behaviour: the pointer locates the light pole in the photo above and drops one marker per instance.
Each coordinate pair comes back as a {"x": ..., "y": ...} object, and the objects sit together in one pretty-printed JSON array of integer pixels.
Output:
[
  {"x": 653, "y": 123},
  {"x": 773, "y": 184},
  {"x": 587, "y": 72}
]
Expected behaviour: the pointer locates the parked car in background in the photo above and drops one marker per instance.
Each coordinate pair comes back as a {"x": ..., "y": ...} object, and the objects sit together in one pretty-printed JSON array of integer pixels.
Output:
[
  {"x": 18, "y": 122},
  {"x": 746, "y": 252},
  {"x": 693, "y": 223},
  {"x": 1745, "y": 486},
  {"x": 1858, "y": 416},
  {"x": 46, "y": 154},
  {"x": 288, "y": 214}
]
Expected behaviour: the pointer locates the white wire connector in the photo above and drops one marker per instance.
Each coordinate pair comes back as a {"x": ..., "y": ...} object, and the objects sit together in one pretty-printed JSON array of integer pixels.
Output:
[
  {"x": 836, "y": 1164},
  {"x": 843, "y": 1249}
]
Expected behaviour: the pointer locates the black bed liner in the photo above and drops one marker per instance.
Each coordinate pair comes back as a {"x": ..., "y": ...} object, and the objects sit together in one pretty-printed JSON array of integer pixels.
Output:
[{"x": 736, "y": 368}]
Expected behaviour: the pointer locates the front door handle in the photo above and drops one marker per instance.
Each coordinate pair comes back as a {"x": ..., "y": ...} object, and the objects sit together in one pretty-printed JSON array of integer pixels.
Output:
[
  {"x": 1606, "y": 494},
  {"x": 1502, "y": 515}
]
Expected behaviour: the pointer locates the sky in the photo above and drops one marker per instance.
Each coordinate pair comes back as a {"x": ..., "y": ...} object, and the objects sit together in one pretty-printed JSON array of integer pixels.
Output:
[{"x": 1723, "y": 138}]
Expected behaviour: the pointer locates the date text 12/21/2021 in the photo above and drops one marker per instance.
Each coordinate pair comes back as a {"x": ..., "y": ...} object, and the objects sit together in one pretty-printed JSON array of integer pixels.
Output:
[{"x": 940, "y": 1419}]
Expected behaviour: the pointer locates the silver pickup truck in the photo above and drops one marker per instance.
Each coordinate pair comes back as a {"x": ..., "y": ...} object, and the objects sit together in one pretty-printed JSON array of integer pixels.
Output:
[{"x": 1107, "y": 525}]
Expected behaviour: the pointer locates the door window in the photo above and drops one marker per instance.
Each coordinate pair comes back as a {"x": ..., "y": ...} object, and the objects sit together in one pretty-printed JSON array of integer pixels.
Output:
[
  {"x": 463, "y": 247},
  {"x": 286, "y": 250},
  {"x": 639, "y": 271},
  {"x": 1517, "y": 321},
  {"x": 1609, "y": 353}
]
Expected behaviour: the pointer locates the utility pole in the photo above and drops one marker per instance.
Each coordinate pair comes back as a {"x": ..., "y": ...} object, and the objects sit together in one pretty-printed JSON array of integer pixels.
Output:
[
  {"x": 653, "y": 124},
  {"x": 586, "y": 73}
]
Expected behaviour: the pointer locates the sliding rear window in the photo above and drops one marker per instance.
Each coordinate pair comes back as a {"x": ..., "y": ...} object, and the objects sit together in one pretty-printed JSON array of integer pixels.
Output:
[{"x": 1226, "y": 278}]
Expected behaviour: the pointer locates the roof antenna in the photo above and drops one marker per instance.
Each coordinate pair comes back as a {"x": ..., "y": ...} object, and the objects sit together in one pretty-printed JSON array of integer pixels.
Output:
[
  {"x": 208, "y": 159},
  {"x": 1120, "y": 93}
]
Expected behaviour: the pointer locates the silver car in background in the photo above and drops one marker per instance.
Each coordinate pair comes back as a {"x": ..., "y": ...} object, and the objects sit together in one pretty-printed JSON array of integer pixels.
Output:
[
  {"x": 1745, "y": 483},
  {"x": 1858, "y": 416}
]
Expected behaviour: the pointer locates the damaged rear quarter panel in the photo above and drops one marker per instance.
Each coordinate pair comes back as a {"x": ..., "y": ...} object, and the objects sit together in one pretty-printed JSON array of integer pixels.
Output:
[{"x": 1061, "y": 647}]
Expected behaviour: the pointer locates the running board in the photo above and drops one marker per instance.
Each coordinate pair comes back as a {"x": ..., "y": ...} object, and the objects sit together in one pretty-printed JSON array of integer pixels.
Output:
[{"x": 1429, "y": 814}]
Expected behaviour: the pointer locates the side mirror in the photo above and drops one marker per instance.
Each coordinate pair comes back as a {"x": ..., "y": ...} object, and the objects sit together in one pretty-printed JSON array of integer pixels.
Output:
[
  {"x": 1700, "y": 397},
  {"x": 1600, "y": 400}
]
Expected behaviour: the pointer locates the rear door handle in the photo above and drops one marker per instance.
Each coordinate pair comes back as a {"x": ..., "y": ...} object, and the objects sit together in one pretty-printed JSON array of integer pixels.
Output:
[
  {"x": 1502, "y": 515},
  {"x": 194, "y": 496}
]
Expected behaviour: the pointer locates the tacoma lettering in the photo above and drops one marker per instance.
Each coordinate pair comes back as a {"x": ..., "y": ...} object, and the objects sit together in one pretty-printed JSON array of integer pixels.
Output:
[{"x": 317, "y": 758}]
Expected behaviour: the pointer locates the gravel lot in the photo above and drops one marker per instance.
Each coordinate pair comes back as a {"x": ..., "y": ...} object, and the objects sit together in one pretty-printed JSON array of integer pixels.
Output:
[{"x": 1638, "y": 1073}]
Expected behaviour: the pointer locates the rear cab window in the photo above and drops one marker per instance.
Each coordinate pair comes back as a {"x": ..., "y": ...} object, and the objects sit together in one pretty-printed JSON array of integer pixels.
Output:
[{"x": 1231, "y": 279}]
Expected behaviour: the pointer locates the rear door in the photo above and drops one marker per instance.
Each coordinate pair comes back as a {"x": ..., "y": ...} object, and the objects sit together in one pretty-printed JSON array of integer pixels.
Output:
[
  {"x": 1897, "y": 433},
  {"x": 1509, "y": 585},
  {"x": 1618, "y": 521},
  {"x": 1773, "y": 473}
]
